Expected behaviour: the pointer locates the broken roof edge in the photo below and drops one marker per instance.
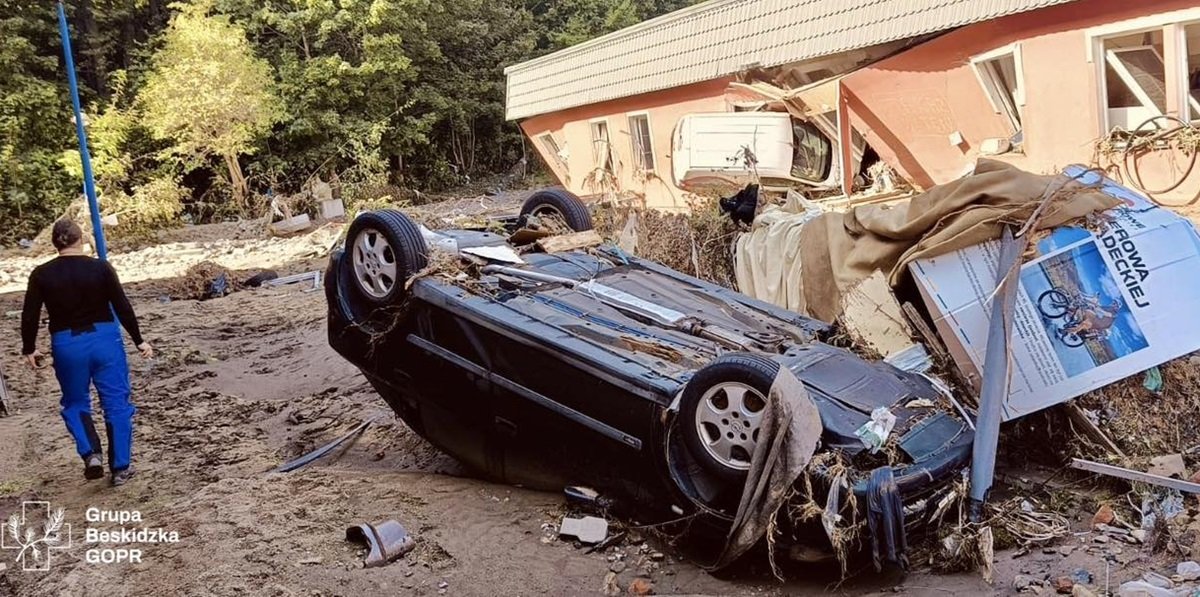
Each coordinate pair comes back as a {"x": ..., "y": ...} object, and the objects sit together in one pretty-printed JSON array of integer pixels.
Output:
[
  {"x": 619, "y": 33},
  {"x": 931, "y": 17}
]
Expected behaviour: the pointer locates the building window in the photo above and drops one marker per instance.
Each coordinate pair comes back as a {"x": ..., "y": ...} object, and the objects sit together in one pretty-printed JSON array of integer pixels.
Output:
[
  {"x": 1192, "y": 41},
  {"x": 1135, "y": 79},
  {"x": 601, "y": 148},
  {"x": 639, "y": 136},
  {"x": 1000, "y": 75},
  {"x": 552, "y": 149}
]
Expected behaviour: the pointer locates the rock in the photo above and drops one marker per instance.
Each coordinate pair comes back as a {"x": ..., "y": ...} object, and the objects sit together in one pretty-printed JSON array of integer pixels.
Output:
[
  {"x": 641, "y": 586},
  {"x": 1063, "y": 585},
  {"x": 1188, "y": 570},
  {"x": 1195, "y": 478},
  {"x": 312, "y": 560},
  {"x": 1021, "y": 582},
  {"x": 1082, "y": 576},
  {"x": 610, "y": 588},
  {"x": 1066, "y": 550},
  {"x": 1081, "y": 591},
  {"x": 1170, "y": 465},
  {"x": 443, "y": 585},
  {"x": 657, "y": 556},
  {"x": 1100, "y": 539},
  {"x": 617, "y": 566},
  {"x": 1139, "y": 534},
  {"x": 1104, "y": 515}
]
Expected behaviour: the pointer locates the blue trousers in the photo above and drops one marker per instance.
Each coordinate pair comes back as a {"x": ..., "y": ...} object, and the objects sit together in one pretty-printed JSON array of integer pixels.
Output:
[{"x": 95, "y": 357}]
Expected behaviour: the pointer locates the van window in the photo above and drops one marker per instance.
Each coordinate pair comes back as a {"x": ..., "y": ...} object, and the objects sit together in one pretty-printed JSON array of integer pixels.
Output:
[{"x": 811, "y": 152}]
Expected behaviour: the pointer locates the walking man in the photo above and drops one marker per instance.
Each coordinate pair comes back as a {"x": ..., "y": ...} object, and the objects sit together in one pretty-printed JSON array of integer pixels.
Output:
[{"x": 81, "y": 295}]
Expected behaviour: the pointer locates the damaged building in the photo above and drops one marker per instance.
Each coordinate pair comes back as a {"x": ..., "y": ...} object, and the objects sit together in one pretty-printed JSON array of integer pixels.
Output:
[{"x": 808, "y": 94}]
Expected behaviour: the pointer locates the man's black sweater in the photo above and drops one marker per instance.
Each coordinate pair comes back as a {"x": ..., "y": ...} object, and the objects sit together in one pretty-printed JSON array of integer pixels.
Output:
[{"x": 78, "y": 291}]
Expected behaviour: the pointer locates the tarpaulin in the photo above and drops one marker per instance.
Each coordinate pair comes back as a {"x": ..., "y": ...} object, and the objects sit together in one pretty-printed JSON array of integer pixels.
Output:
[
  {"x": 791, "y": 429},
  {"x": 767, "y": 262},
  {"x": 834, "y": 251}
]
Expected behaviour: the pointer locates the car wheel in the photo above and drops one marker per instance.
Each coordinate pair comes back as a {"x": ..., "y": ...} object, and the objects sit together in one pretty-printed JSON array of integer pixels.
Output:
[
  {"x": 561, "y": 203},
  {"x": 383, "y": 250},
  {"x": 722, "y": 409}
]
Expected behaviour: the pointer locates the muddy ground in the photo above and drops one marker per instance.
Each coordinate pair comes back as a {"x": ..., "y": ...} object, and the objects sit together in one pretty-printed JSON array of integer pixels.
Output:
[{"x": 243, "y": 383}]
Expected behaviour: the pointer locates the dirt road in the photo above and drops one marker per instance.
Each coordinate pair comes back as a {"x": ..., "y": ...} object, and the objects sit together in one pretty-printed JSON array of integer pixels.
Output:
[{"x": 245, "y": 382}]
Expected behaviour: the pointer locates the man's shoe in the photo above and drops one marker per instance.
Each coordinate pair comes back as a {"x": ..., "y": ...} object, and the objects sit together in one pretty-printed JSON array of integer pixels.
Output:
[
  {"x": 93, "y": 467},
  {"x": 120, "y": 477}
]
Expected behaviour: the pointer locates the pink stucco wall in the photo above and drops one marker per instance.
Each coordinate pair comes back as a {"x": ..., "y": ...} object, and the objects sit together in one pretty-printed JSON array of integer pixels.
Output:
[
  {"x": 909, "y": 105},
  {"x": 664, "y": 108}
]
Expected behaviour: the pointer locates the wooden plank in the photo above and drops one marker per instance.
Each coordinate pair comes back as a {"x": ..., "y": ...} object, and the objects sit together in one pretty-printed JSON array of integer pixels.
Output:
[
  {"x": 1132, "y": 475},
  {"x": 1085, "y": 425},
  {"x": 570, "y": 242},
  {"x": 870, "y": 311}
]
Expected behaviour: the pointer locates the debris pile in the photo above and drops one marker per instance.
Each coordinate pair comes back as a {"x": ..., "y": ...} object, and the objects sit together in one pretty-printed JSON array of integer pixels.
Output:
[
  {"x": 202, "y": 281},
  {"x": 698, "y": 242}
]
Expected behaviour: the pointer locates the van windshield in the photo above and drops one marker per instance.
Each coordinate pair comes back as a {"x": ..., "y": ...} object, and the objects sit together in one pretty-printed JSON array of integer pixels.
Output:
[{"x": 811, "y": 157}]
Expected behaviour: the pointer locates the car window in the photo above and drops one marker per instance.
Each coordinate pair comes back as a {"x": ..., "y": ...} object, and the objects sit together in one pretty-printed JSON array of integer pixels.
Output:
[{"x": 812, "y": 153}]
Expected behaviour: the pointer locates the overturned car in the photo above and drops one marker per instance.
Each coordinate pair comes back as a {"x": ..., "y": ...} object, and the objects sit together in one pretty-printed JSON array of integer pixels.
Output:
[{"x": 594, "y": 367}]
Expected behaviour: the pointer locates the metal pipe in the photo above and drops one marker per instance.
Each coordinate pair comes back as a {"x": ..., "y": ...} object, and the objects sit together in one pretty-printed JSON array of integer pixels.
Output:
[
  {"x": 89, "y": 185},
  {"x": 528, "y": 275},
  {"x": 995, "y": 372}
]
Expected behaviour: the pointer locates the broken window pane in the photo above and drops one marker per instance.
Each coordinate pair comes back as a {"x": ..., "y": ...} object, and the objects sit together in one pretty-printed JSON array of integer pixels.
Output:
[
  {"x": 639, "y": 133},
  {"x": 601, "y": 152},
  {"x": 1135, "y": 79},
  {"x": 1002, "y": 83},
  {"x": 1192, "y": 33},
  {"x": 552, "y": 149}
]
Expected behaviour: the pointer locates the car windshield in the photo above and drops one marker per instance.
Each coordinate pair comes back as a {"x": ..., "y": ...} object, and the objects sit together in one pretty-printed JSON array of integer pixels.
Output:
[{"x": 811, "y": 154}]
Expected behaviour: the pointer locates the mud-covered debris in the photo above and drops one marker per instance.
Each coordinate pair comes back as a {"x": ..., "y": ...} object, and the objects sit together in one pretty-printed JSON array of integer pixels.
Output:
[
  {"x": 610, "y": 588},
  {"x": 1170, "y": 465},
  {"x": 1063, "y": 585},
  {"x": 1104, "y": 515},
  {"x": 1022, "y": 582},
  {"x": 385, "y": 541},
  {"x": 641, "y": 586},
  {"x": 1188, "y": 570},
  {"x": 588, "y": 529}
]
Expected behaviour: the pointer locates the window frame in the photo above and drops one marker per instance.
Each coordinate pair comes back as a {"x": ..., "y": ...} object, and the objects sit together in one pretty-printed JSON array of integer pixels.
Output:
[
  {"x": 607, "y": 165},
  {"x": 556, "y": 151},
  {"x": 640, "y": 153},
  {"x": 1171, "y": 25},
  {"x": 1184, "y": 76},
  {"x": 991, "y": 87}
]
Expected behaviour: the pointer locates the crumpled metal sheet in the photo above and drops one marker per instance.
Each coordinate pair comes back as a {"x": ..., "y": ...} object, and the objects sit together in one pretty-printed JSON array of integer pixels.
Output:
[{"x": 386, "y": 541}]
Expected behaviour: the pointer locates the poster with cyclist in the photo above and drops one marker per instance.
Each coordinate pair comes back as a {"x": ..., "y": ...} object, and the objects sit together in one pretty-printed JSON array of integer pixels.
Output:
[{"x": 1100, "y": 301}]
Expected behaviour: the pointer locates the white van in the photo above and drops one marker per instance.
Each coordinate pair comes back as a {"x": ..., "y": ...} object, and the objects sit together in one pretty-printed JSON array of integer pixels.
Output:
[{"x": 713, "y": 147}]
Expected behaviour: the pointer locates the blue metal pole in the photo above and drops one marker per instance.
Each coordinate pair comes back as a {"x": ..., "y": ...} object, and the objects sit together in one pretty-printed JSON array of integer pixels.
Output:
[{"x": 89, "y": 185}]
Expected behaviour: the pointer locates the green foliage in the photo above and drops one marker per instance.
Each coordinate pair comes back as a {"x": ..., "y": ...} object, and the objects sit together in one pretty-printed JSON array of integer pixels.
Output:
[
  {"x": 152, "y": 206},
  {"x": 386, "y": 96},
  {"x": 35, "y": 122},
  {"x": 208, "y": 94}
]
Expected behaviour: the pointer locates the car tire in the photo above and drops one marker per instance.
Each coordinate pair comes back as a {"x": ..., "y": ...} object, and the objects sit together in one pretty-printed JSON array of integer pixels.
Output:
[
  {"x": 561, "y": 202},
  {"x": 384, "y": 249},
  {"x": 719, "y": 427}
]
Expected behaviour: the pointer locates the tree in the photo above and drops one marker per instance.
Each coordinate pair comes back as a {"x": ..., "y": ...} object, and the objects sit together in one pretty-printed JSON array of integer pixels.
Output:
[
  {"x": 35, "y": 120},
  {"x": 208, "y": 93}
]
